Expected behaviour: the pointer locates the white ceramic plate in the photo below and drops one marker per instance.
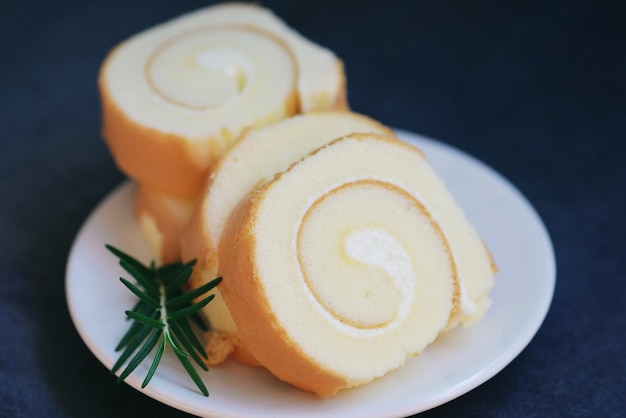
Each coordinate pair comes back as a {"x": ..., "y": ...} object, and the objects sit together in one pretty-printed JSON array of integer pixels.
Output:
[{"x": 450, "y": 367}]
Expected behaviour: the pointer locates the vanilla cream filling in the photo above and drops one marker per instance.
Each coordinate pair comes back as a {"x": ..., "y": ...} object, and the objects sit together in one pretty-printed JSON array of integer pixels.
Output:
[
  {"x": 191, "y": 74},
  {"x": 360, "y": 256},
  {"x": 378, "y": 248}
]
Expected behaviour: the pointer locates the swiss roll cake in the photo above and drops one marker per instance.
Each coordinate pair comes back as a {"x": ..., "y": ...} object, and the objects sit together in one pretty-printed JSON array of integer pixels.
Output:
[
  {"x": 347, "y": 263},
  {"x": 175, "y": 96},
  {"x": 253, "y": 159}
]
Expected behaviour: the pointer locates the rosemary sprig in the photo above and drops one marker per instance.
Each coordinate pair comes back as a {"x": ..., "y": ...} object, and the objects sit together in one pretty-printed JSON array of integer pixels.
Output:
[{"x": 160, "y": 317}]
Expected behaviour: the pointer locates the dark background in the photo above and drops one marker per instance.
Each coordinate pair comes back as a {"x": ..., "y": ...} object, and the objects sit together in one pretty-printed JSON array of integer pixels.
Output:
[{"x": 535, "y": 89}]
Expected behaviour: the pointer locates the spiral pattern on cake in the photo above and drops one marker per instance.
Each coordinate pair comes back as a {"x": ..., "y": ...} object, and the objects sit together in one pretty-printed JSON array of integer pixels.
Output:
[
  {"x": 346, "y": 264},
  {"x": 372, "y": 259}
]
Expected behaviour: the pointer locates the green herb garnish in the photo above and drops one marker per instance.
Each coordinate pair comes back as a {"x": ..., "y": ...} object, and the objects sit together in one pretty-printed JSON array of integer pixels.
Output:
[{"x": 161, "y": 317}]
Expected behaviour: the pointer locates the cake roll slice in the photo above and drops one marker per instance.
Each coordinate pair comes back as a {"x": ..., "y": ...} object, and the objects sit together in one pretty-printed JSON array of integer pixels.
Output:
[
  {"x": 175, "y": 96},
  {"x": 339, "y": 269},
  {"x": 252, "y": 160}
]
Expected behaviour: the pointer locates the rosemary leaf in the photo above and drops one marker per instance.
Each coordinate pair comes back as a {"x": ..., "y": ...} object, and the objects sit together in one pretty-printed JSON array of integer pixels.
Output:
[
  {"x": 191, "y": 336},
  {"x": 190, "y": 296},
  {"x": 138, "y": 307},
  {"x": 166, "y": 270},
  {"x": 155, "y": 363},
  {"x": 131, "y": 347},
  {"x": 193, "y": 374},
  {"x": 190, "y": 309},
  {"x": 135, "y": 327},
  {"x": 169, "y": 272},
  {"x": 141, "y": 294},
  {"x": 153, "y": 323},
  {"x": 141, "y": 354},
  {"x": 144, "y": 280},
  {"x": 128, "y": 259},
  {"x": 178, "y": 281},
  {"x": 174, "y": 346},
  {"x": 183, "y": 341}
]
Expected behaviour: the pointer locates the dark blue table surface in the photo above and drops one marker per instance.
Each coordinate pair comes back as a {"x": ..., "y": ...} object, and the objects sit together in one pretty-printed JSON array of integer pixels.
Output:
[{"x": 537, "y": 90}]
